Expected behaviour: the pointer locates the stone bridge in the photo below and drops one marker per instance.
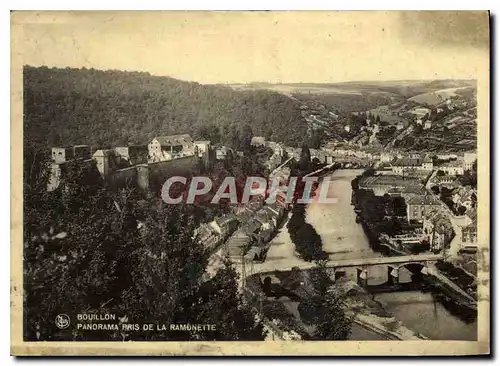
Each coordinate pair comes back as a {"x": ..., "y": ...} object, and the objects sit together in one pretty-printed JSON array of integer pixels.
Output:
[
  {"x": 361, "y": 264},
  {"x": 393, "y": 265},
  {"x": 423, "y": 263}
]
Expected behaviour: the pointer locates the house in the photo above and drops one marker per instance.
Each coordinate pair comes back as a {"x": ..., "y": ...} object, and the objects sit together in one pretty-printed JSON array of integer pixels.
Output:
[
  {"x": 451, "y": 168},
  {"x": 274, "y": 162},
  {"x": 267, "y": 218},
  {"x": 447, "y": 156},
  {"x": 251, "y": 227},
  {"x": 427, "y": 163},
  {"x": 386, "y": 157},
  {"x": 133, "y": 154},
  {"x": 293, "y": 152},
  {"x": 258, "y": 141},
  {"x": 382, "y": 184},
  {"x": 82, "y": 152},
  {"x": 469, "y": 160},
  {"x": 400, "y": 166},
  {"x": 237, "y": 245},
  {"x": 448, "y": 181},
  {"x": 207, "y": 236},
  {"x": 427, "y": 125},
  {"x": 407, "y": 192},
  {"x": 62, "y": 154},
  {"x": 469, "y": 231},
  {"x": 469, "y": 237},
  {"x": 439, "y": 230},
  {"x": 407, "y": 165},
  {"x": 347, "y": 128},
  {"x": 420, "y": 111},
  {"x": 400, "y": 125},
  {"x": 222, "y": 153},
  {"x": 202, "y": 147},
  {"x": 279, "y": 150},
  {"x": 225, "y": 225},
  {"x": 163, "y": 148},
  {"x": 107, "y": 161},
  {"x": 282, "y": 174},
  {"x": 418, "y": 207}
]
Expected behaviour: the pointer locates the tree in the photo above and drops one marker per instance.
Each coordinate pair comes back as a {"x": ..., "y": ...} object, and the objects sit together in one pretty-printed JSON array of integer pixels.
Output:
[
  {"x": 369, "y": 172},
  {"x": 305, "y": 159},
  {"x": 330, "y": 313},
  {"x": 87, "y": 248},
  {"x": 440, "y": 173},
  {"x": 418, "y": 130},
  {"x": 245, "y": 137},
  {"x": 435, "y": 190},
  {"x": 316, "y": 138},
  {"x": 107, "y": 107},
  {"x": 223, "y": 305},
  {"x": 309, "y": 244}
]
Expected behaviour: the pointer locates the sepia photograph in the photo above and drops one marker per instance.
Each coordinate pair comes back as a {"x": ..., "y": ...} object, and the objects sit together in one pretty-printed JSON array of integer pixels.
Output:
[{"x": 250, "y": 183}]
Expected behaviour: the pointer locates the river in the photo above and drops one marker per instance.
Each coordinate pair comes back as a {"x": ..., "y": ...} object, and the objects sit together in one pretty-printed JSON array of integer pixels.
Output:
[{"x": 343, "y": 238}]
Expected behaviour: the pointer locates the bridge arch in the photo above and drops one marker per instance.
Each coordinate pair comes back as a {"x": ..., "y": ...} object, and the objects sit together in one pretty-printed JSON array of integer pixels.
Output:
[{"x": 412, "y": 266}]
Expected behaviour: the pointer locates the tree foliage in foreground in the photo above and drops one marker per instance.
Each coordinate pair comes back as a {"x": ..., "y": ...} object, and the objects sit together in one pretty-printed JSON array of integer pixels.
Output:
[
  {"x": 90, "y": 250},
  {"x": 325, "y": 308}
]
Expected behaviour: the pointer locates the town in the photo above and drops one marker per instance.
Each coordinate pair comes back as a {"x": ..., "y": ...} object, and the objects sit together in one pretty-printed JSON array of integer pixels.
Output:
[
  {"x": 409, "y": 204},
  {"x": 369, "y": 214}
]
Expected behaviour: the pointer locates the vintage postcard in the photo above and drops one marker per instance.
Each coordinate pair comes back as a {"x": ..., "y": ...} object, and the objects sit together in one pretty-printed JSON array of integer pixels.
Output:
[{"x": 250, "y": 183}]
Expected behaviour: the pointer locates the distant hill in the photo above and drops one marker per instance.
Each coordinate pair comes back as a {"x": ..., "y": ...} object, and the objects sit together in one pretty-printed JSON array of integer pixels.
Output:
[
  {"x": 357, "y": 95},
  {"x": 110, "y": 108},
  {"x": 439, "y": 96}
]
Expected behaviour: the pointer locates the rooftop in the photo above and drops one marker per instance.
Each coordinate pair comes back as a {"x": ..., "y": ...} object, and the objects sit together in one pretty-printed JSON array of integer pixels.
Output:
[
  {"x": 389, "y": 180},
  {"x": 239, "y": 239},
  {"x": 451, "y": 164},
  {"x": 258, "y": 140},
  {"x": 407, "y": 162},
  {"x": 427, "y": 200},
  {"x": 174, "y": 140},
  {"x": 105, "y": 152}
]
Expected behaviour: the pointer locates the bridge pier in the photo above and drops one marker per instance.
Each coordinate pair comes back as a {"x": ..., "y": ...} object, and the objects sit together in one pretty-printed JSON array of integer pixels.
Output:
[
  {"x": 362, "y": 277},
  {"x": 392, "y": 275}
]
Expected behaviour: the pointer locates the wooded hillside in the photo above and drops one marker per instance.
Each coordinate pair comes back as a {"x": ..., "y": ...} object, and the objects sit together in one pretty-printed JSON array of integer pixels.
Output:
[{"x": 110, "y": 108}]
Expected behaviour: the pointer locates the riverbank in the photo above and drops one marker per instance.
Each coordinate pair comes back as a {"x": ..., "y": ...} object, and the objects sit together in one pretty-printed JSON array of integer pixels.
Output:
[
  {"x": 374, "y": 229},
  {"x": 343, "y": 238}
]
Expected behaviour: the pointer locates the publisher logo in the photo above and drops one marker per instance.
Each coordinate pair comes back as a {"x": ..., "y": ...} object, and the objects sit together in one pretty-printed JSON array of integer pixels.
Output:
[{"x": 62, "y": 321}]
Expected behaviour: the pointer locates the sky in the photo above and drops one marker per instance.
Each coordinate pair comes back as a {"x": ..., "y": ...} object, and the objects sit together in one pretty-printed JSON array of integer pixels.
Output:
[{"x": 275, "y": 47}]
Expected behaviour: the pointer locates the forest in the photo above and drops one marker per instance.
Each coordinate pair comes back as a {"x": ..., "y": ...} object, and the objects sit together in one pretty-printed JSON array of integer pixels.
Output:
[{"x": 64, "y": 107}]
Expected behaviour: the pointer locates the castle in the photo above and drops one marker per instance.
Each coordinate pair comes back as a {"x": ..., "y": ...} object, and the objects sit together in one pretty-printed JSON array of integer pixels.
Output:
[{"x": 145, "y": 167}]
